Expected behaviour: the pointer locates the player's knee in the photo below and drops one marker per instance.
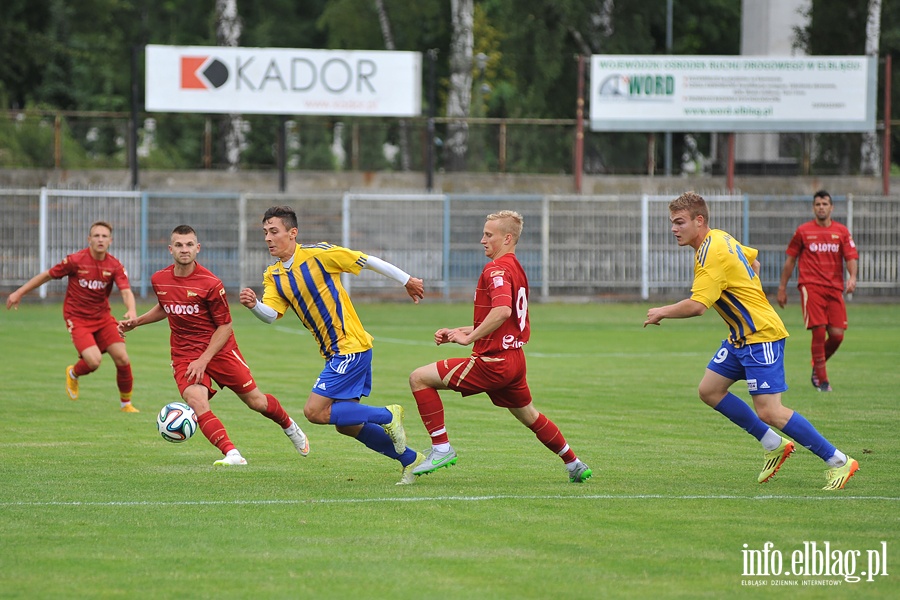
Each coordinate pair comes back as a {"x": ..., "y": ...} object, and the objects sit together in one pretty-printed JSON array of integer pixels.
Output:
[
  {"x": 93, "y": 363},
  {"x": 419, "y": 379},
  {"x": 711, "y": 397},
  {"x": 315, "y": 415}
]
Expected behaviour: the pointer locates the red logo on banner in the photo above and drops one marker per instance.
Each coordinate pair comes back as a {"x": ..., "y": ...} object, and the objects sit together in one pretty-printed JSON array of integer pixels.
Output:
[{"x": 189, "y": 67}]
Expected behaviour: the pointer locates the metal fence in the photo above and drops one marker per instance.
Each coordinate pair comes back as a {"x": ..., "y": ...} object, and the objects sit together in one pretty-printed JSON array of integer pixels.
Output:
[{"x": 615, "y": 247}]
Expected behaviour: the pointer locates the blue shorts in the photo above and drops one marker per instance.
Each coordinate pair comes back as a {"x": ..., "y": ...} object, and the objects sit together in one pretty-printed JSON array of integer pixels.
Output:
[
  {"x": 346, "y": 376},
  {"x": 762, "y": 365}
]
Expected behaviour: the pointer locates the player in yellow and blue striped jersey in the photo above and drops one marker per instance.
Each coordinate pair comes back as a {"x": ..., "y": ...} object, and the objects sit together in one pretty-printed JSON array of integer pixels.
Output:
[
  {"x": 306, "y": 279},
  {"x": 726, "y": 277}
]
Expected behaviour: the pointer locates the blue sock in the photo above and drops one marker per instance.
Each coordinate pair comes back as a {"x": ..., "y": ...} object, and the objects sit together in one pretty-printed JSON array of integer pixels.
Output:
[
  {"x": 742, "y": 415},
  {"x": 375, "y": 438},
  {"x": 802, "y": 431},
  {"x": 348, "y": 412}
]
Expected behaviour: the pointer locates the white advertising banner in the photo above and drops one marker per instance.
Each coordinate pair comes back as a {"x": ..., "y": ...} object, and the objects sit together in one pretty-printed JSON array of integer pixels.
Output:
[
  {"x": 732, "y": 93},
  {"x": 281, "y": 81}
]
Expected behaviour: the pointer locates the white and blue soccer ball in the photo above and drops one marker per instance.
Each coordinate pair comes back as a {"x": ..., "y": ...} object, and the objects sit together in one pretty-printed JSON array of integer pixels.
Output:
[{"x": 176, "y": 422}]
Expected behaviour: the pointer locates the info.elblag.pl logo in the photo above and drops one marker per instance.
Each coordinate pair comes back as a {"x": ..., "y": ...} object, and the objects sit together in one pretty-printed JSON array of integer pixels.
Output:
[{"x": 812, "y": 564}]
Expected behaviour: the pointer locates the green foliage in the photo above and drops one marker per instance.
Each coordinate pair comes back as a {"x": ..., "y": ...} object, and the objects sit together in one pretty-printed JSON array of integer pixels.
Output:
[
  {"x": 93, "y": 504},
  {"x": 76, "y": 56}
]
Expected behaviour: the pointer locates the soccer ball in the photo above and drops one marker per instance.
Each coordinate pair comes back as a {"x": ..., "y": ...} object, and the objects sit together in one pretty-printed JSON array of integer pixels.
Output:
[{"x": 176, "y": 422}]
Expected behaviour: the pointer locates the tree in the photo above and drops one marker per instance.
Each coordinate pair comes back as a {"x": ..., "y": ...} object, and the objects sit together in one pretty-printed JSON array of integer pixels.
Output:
[
  {"x": 385, "y": 22},
  {"x": 228, "y": 33},
  {"x": 869, "y": 152},
  {"x": 459, "y": 93}
]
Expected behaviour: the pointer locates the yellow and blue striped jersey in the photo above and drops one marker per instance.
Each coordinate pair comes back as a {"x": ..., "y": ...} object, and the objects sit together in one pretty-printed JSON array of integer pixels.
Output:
[
  {"x": 725, "y": 280},
  {"x": 312, "y": 288}
]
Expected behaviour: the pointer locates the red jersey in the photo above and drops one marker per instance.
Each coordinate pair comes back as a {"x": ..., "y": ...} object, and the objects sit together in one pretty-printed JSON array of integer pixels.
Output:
[
  {"x": 90, "y": 284},
  {"x": 503, "y": 283},
  {"x": 821, "y": 252},
  {"x": 196, "y": 306}
]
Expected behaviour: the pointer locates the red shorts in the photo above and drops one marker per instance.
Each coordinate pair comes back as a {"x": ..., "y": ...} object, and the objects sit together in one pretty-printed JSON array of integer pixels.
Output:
[
  {"x": 227, "y": 369},
  {"x": 823, "y": 306},
  {"x": 102, "y": 333},
  {"x": 501, "y": 376}
]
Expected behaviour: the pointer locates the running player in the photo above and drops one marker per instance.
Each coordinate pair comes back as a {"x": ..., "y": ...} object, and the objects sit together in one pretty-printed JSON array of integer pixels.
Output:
[
  {"x": 86, "y": 310},
  {"x": 204, "y": 349},
  {"x": 726, "y": 276},
  {"x": 497, "y": 364}
]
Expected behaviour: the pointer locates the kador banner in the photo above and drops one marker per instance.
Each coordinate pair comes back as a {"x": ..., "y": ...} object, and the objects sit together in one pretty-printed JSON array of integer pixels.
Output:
[{"x": 282, "y": 81}]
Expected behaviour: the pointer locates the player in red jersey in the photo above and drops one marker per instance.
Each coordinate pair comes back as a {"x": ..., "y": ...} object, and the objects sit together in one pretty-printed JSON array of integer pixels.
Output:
[
  {"x": 822, "y": 246},
  {"x": 497, "y": 364},
  {"x": 203, "y": 346},
  {"x": 88, "y": 316}
]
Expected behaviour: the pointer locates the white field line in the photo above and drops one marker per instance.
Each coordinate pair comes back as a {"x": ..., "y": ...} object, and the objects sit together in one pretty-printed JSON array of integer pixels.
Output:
[
  {"x": 650, "y": 353},
  {"x": 833, "y": 497}
]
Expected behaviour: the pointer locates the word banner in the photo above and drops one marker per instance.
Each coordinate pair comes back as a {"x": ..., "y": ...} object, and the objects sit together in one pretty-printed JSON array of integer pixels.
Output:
[{"x": 732, "y": 93}]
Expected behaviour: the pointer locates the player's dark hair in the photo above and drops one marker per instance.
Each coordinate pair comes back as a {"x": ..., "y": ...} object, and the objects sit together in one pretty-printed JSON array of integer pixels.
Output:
[
  {"x": 285, "y": 213},
  {"x": 823, "y": 194},
  {"x": 184, "y": 230}
]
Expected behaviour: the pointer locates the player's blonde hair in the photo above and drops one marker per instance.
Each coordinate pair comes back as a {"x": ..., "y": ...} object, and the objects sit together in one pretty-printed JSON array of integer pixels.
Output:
[
  {"x": 510, "y": 222},
  {"x": 100, "y": 224},
  {"x": 691, "y": 202}
]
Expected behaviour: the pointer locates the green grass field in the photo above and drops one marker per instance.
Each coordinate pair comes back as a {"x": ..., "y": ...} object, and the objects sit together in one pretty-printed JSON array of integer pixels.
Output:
[{"x": 94, "y": 504}]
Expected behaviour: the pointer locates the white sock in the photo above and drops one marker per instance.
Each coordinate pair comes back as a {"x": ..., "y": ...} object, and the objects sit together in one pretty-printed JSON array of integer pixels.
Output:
[
  {"x": 233, "y": 452},
  {"x": 770, "y": 440},
  {"x": 839, "y": 459},
  {"x": 445, "y": 447}
]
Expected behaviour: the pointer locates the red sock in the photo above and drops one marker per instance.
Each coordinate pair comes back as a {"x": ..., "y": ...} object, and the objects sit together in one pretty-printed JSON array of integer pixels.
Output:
[
  {"x": 276, "y": 412},
  {"x": 125, "y": 381},
  {"x": 431, "y": 409},
  {"x": 550, "y": 435},
  {"x": 818, "y": 353},
  {"x": 81, "y": 368},
  {"x": 214, "y": 431},
  {"x": 832, "y": 344}
]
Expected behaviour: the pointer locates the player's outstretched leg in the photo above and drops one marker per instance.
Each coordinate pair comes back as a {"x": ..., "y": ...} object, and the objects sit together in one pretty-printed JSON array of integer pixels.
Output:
[
  {"x": 578, "y": 472},
  {"x": 232, "y": 459},
  {"x": 839, "y": 476},
  {"x": 298, "y": 438},
  {"x": 407, "y": 476},
  {"x": 395, "y": 429},
  {"x": 436, "y": 459},
  {"x": 774, "y": 459},
  {"x": 71, "y": 382}
]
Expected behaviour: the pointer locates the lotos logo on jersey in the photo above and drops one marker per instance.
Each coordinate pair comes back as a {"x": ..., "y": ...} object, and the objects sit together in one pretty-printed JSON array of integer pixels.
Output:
[
  {"x": 182, "y": 309},
  {"x": 824, "y": 247},
  {"x": 202, "y": 73},
  {"x": 92, "y": 284},
  {"x": 510, "y": 341}
]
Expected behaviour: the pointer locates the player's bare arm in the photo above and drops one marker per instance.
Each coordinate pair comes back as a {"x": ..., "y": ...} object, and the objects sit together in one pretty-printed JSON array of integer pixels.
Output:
[
  {"x": 197, "y": 368},
  {"x": 442, "y": 336},
  {"x": 130, "y": 306},
  {"x": 415, "y": 288},
  {"x": 247, "y": 297},
  {"x": 786, "y": 270},
  {"x": 153, "y": 315},
  {"x": 35, "y": 282},
  {"x": 852, "y": 267},
  {"x": 682, "y": 310},
  {"x": 492, "y": 321}
]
